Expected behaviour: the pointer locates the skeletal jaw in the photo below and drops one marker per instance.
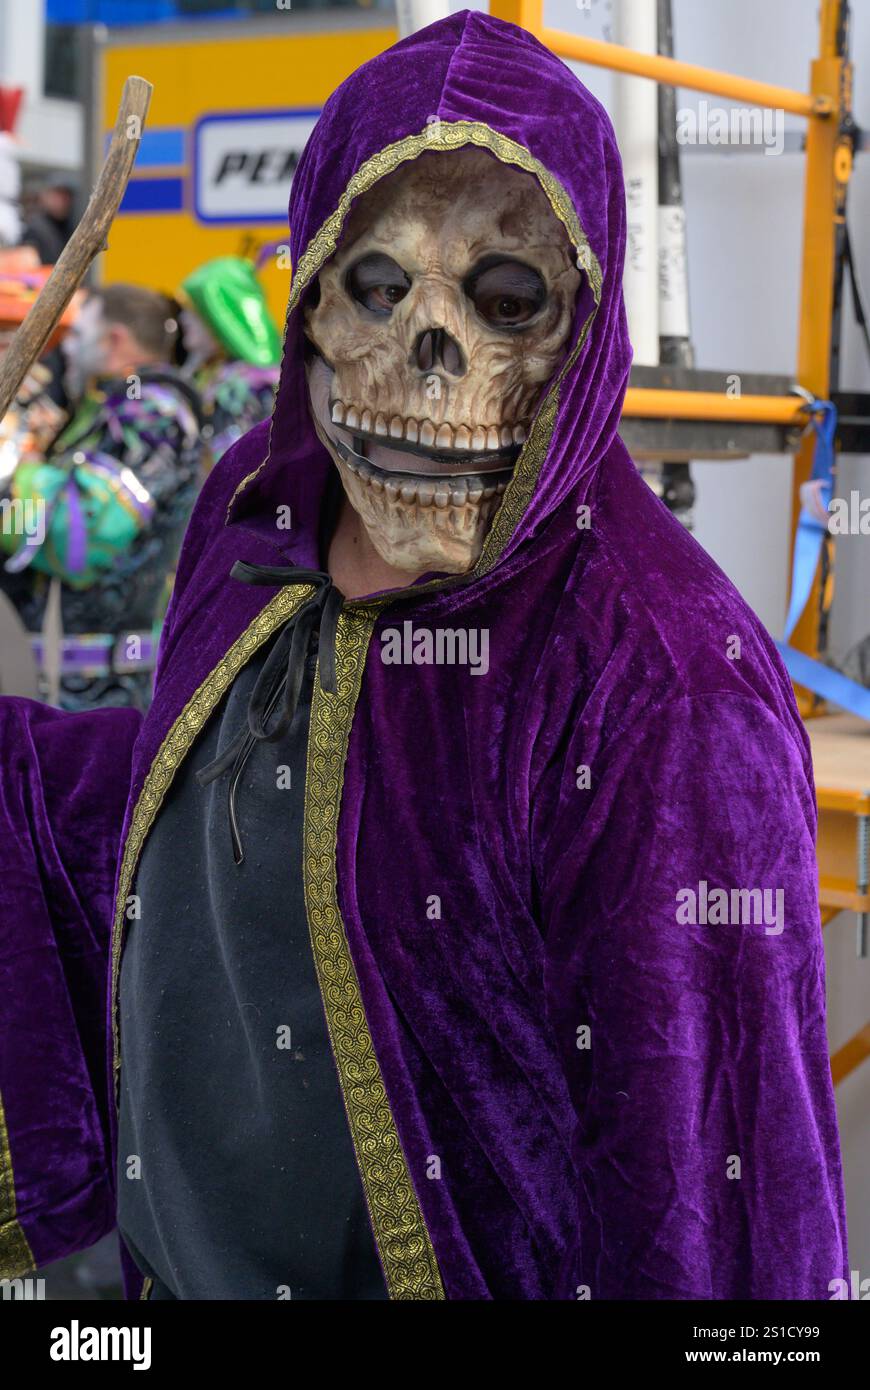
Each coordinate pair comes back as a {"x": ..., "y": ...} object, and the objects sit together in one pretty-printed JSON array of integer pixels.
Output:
[
  {"x": 426, "y": 510},
  {"x": 419, "y": 514},
  {"x": 476, "y": 439},
  {"x": 418, "y": 523},
  {"x": 422, "y": 491}
]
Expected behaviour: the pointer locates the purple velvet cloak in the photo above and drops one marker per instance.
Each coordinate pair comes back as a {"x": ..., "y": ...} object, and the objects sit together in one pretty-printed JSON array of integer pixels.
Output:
[{"x": 556, "y": 1087}]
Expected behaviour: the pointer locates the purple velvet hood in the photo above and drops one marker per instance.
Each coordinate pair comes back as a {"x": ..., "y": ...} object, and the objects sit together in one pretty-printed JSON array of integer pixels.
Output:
[{"x": 567, "y": 1073}]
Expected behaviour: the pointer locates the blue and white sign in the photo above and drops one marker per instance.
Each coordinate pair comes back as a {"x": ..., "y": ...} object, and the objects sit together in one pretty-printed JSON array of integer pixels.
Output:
[{"x": 243, "y": 164}]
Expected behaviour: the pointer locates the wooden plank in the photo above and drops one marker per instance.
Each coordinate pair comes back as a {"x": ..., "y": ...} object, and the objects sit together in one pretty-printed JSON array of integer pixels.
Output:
[
  {"x": 851, "y": 1055},
  {"x": 841, "y": 762}
]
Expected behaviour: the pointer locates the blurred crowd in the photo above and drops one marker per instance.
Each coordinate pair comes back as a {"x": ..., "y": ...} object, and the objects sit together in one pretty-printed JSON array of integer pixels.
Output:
[{"x": 103, "y": 452}]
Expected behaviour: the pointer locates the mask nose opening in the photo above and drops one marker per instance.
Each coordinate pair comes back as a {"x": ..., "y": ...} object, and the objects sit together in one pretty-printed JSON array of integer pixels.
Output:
[{"x": 435, "y": 349}]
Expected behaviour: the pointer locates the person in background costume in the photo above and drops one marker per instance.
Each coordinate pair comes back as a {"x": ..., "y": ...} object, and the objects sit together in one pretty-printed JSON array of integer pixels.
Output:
[
  {"x": 465, "y": 942},
  {"x": 233, "y": 346},
  {"x": 50, "y": 223},
  {"x": 114, "y": 487}
]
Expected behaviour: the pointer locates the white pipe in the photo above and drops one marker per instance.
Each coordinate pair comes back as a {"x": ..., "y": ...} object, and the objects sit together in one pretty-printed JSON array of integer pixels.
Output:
[
  {"x": 673, "y": 276},
  {"x": 412, "y": 15},
  {"x": 635, "y": 117},
  {"x": 10, "y": 188}
]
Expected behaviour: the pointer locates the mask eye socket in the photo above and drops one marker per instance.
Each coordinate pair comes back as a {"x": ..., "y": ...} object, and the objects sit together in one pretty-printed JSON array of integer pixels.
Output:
[
  {"x": 506, "y": 294},
  {"x": 377, "y": 282}
]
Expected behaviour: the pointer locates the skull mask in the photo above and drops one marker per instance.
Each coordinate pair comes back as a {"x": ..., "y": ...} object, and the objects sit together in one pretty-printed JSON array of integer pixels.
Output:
[{"x": 439, "y": 319}]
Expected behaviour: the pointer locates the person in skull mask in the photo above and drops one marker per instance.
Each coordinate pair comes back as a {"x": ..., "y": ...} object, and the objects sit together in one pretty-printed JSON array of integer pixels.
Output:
[
  {"x": 405, "y": 996},
  {"x": 445, "y": 310}
]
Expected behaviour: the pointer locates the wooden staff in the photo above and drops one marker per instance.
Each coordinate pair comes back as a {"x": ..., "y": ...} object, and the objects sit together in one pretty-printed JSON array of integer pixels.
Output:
[{"x": 88, "y": 239}]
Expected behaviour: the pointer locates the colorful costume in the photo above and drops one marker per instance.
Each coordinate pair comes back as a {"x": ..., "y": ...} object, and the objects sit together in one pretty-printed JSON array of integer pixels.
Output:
[
  {"x": 110, "y": 535},
  {"x": 556, "y": 1085},
  {"x": 237, "y": 386}
]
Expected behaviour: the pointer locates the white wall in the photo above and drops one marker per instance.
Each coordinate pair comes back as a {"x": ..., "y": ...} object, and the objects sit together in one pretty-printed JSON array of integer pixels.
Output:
[
  {"x": 49, "y": 130},
  {"x": 744, "y": 215}
]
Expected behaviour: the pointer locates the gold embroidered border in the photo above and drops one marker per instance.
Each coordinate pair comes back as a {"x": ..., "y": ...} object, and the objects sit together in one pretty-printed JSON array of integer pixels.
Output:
[
  {"x": 442, "y": 135},
  {"x": 406, "y": 1250},
  {"x": 520, "y": 489},
  {"x": 452, "y": 135},
  {"x": 172, "y": 752},
  {"x": 16, "y": 1257},
  {"x": 400, "y": 1231}
]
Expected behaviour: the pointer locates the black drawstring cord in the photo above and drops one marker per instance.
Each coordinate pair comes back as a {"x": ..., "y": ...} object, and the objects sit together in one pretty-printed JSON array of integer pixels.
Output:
[{"x": 280, "y": 680}]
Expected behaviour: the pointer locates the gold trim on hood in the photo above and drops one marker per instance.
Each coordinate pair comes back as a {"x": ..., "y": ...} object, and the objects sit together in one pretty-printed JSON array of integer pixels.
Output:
[
  {"x": 442, "y": 135},
  {"x": 16, "y": 1256},
  {"x": 453, "y": 135},
  {"x": 169, "y": 757}
]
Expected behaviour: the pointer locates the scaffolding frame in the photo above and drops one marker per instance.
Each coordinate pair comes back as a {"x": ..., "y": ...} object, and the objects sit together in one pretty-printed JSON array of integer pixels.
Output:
[
  {"x": 830, "y": 145},
  {"x": 844, "y": 815}
]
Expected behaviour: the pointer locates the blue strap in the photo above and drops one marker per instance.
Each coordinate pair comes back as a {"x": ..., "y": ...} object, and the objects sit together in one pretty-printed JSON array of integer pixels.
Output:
[
  {"x": 810, "y": 531},
  {"x": 814, "y": 675},
  {"x": 824, "y": 681}
]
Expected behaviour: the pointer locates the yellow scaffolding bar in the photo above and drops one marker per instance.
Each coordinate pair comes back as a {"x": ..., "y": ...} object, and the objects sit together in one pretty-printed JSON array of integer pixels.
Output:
[
  {"x": 660, "y": 404},
  {"x": 674, "y": 73},
  {"x": 827, "y": 172},
  {"x": 850, "y": 1055}
]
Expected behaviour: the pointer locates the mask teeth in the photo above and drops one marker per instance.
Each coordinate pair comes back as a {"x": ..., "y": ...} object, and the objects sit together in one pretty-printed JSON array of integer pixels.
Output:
[
  {"x": 426, "y": 492},
  {"x": 474, "y": 438}
]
